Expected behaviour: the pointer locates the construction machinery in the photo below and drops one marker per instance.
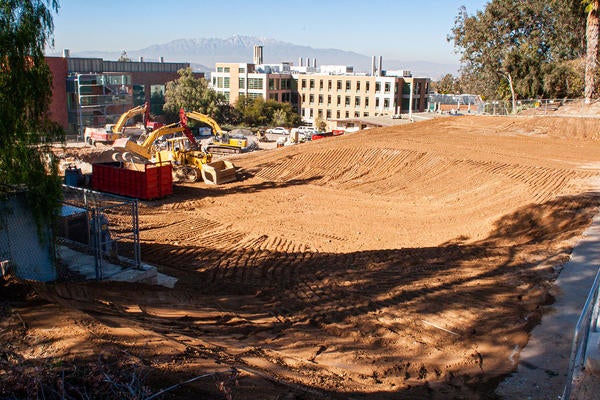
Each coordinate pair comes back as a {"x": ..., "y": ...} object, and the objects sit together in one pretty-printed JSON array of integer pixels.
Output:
[
  {"x": 183, "y": 153},
  {"x": 222, "y": 143},
  {"x": 112, "y": 132}
]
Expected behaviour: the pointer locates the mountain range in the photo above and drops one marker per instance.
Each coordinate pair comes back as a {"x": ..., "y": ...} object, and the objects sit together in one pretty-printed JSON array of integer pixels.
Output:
[{"x": 202, "y": 54}]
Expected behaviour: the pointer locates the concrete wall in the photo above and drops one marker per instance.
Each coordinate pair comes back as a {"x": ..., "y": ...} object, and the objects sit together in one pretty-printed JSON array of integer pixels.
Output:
[{"x": 29, "y": 258}]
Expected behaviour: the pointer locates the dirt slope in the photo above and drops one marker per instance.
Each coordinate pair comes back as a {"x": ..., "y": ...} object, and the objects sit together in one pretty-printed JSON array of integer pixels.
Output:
[{"x": 408, "y": 261}]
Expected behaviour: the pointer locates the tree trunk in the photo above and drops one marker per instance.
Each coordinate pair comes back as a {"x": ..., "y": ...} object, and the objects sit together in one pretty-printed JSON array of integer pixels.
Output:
[
  {"x": 591, "y": 57},
  {"x": 512, "y": 93}
]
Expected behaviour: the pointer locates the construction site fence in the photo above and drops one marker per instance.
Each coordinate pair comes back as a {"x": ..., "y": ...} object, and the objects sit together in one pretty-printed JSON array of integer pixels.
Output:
[
  {"x": 587, "y": 323},
  {"x": 103, "y": 225},
  {"x": 534, "y": 107}
]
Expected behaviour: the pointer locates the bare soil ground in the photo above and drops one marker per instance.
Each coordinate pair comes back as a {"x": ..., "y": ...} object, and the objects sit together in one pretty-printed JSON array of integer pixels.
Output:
[{"x": 403, "y": 262}]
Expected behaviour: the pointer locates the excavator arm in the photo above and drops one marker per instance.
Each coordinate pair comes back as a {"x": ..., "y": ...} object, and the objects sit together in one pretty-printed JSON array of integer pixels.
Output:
[
  {"x": 144, "y": 150},
  {"x": 196, "y": 116},
  {"x": 118, "y": 127}
]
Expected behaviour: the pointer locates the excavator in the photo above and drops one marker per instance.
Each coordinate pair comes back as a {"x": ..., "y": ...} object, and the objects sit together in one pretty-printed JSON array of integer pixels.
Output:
[
  {"x": 222, "y": 142},
  {"x": 111, "y": 132},
  {"x": 183, "y": 152}
]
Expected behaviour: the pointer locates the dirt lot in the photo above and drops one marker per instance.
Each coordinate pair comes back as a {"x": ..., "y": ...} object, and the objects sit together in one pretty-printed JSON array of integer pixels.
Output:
[{"x": 404, "y": 262}]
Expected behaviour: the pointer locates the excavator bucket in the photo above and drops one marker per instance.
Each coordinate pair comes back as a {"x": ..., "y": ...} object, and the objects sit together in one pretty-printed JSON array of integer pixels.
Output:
[{"x": 219, "y": 172}]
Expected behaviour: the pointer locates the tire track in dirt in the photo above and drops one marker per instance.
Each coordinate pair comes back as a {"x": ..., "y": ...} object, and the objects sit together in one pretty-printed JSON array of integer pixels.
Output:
[{"x": 390, "y": 316}]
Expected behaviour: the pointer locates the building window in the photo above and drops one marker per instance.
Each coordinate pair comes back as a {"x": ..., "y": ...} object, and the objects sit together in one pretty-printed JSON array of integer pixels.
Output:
[
  {"x": 242, "y": 83},
  {"x": 220, "y": 82},
  {"x": 219, "y": 69},
  {"x": 367, "y": 86},
  {"x": 356, "y": 114},
  {"x": 366, "y": 102},
  {"x": 320, "y": 84},
  {"x": 303, "y": 83},
  {"x": 328, "y": 99},
  {"x": 226, "y": 82},
  {"x": 358, "y": 86},
  {"x": 347, "y": 114},
  {"x": 386, "y": 103},
  {"x": 320, "y": 99},
  {"x": 377, "y": 87},
  {"x": 377, "y": 102},
  {"x": 273, "y": 96},
  {"x": 226, "y": 95},
  {"x": 241, "y": 70},
  {"x": 339, "y": 85},
  {"x": 157, "y": 98},
  {"x": 214, "y": 81},
  {"x": 348, "y": 100},
  {"x": 365, "y": 114},
  {"x": 320, "y": 113},
  {"x": 303, "y": 98},
  {"x": 339, "y": 100},
  {"x": 255, "y": 96},
  {"x": 387, "y": 87},
  {"x": 329, "y": 83},
  {"x": 271, "y": 84},
  {"x": 312, "y": 113},
  {"x": 311, "y": 99},
  {"x": 348, "y": 86},
  {"x": 226, "y": 69},
  {"x": 328, "y": 114},
  {"x": 406, "y": 88},
  {"x": 357, "y": 101},
  {"x": 312, "y": 84},
  {"x": 338, "y": 114},
  {"x": 255, "y": 83}
]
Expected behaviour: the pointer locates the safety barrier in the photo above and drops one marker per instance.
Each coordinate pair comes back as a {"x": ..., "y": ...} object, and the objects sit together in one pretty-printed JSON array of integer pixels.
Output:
[{"x": 588, "y": 322}]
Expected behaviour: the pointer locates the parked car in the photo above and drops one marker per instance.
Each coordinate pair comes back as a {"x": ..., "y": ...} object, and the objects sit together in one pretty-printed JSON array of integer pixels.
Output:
[{"x": 278, "y": 130}]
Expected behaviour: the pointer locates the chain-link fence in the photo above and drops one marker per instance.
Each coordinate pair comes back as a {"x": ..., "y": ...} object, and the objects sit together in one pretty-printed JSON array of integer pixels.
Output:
[
  {"x": 536, "y": 107},
  {"x": 103, "y": 225}
]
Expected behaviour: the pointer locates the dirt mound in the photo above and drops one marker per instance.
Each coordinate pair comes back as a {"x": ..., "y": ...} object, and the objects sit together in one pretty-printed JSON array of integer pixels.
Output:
[{"x": 408, "y": 261}]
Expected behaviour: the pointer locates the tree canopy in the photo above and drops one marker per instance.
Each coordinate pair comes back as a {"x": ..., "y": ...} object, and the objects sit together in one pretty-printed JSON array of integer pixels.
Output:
[
  {"x": 193, "y": 94},
  {"x": 260, "y": 112},
  {"x": 26, "y": 27},
  {"x": 521, "y": 49}
]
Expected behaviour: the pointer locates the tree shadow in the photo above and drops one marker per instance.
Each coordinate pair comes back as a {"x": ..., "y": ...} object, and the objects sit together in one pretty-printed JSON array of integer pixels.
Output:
[{"x": 482, "y": 297}]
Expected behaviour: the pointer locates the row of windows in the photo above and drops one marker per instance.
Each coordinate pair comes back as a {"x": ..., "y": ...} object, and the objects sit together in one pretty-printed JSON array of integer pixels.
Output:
[
  {"x": 328, "y": 113},
  {"x": 347, "y": 85},
  {"x": 227, "y": 70},
  {"x": 347, "y": 100},
  {"x": 280, "y": 84},
  {"x": 253, "y": 83}
]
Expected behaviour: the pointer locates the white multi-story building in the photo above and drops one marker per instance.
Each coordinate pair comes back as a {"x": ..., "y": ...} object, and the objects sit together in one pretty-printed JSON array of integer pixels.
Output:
[{"x": 328, "y": 93}]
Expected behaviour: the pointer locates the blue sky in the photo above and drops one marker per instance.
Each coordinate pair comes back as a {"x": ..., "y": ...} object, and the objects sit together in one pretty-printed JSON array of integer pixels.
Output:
[{"x": 384, "y": 27}]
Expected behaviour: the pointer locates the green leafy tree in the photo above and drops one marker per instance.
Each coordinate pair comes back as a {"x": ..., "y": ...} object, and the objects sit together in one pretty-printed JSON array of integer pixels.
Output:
[
  {"x": 258, "y": 112},
  {"x": 26, "y": 131},
  {"x": 192, "y": 94},
  {"x": 279, "y": 117},
  {"x": 508, "y": 44},
  {"x": 320, "y": 124},
  {"x": 448, "y": 84}
]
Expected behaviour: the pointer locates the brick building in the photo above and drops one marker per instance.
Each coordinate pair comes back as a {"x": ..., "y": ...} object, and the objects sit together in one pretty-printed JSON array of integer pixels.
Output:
[{"x": 94, "y": 92}]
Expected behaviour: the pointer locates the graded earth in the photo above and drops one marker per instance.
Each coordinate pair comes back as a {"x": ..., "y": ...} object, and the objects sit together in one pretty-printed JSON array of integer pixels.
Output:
[{"x": 402, "y": 262}]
